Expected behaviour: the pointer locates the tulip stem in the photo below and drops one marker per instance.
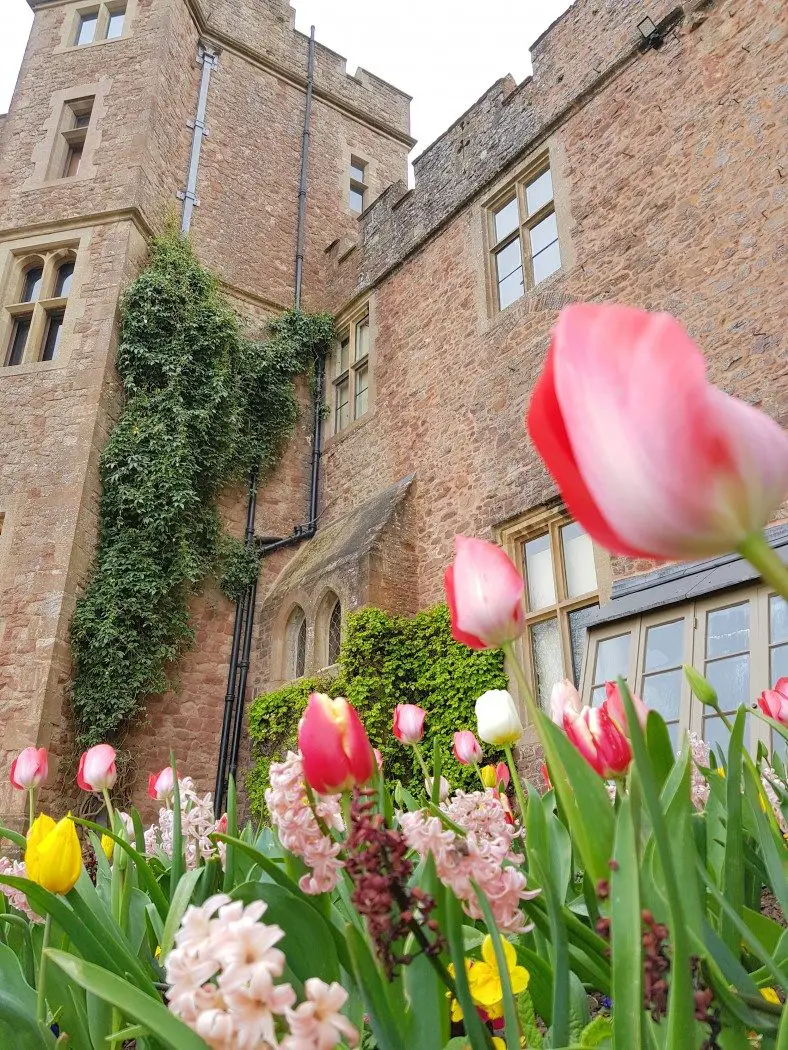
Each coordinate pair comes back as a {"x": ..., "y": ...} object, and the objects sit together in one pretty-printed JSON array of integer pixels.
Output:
[
  {"x": 765, "y": 559},
  {"x": 110, "y": 810},
  {"x": 31, "y": 807},
  {"x": 423, "y": 764},
  {"x": 518, "y": 788},
  {"x": 41, "y": 1001}
]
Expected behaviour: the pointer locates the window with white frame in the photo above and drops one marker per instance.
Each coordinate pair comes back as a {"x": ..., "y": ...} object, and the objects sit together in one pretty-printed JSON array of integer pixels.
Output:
[
  {"x": 556, "y": 557},
  {"x": 737, "y": 639},
  {"x": 523, "y": 236},
  {"x": 35, "y": 305},
  {"x": 350, "y": 379},
  {"x": 98, "y": 23}
]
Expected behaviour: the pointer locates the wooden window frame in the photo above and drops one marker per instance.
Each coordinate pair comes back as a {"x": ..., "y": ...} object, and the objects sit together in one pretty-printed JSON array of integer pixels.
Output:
[
  {"x": 516, "y": 190},
  {"x": 695, "y": 616},
  {"x": 40, "y": 310},
  {"x": 513, "y": 538},
  {"x": 355, "y": 366}
]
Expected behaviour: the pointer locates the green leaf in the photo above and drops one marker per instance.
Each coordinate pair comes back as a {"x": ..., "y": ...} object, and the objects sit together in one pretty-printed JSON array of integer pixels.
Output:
[
  {"x": 598, "y": 1033},
  {"x": 540, "y": 984},
  {"x": 527, "y": 1018},
  {"x": 769, "y": 841},
  {"x": 18, "y": 1006},
  {"x": 177, "y": 865},
  {"x": 180, "y": 902},
  {"x": 583, "y": 798},
  {"x": 232, "y": 832},
  {"x": 660, "y": 748},
  {"x": 428, "y": 1000},
  {"x": 477, "y": 1035},
  {"x": 578, "y": 1008},
  {"x": 509, "y": 1010},
  {"x": 147, "y": 880},
  {"x": 626, "y": 944},
  {"x": 367, "y": 974},
  {"x": 733, "y": 863},
  {"x": 136, "y": 1006},
  {"x": 13, "y": 836}
]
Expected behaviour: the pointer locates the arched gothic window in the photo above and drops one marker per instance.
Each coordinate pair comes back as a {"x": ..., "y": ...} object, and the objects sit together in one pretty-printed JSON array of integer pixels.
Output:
[
  {"x": 334, "y": 632},
  {"x": 295, "y": 644}
]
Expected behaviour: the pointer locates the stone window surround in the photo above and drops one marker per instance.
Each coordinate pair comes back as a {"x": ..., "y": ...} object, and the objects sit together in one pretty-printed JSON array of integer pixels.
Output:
[
  {"x": 71, "y": 23},
  {"x": 366, "y": 308},
  {"x": 44, "y": 152},
  {"x": 513, "y": 537},
  {"x": 13, "y": 255},
  {"x": 317, "y": 607},
  {"x": 353, "y": 151},
  {"x": 539, "y": 297},
  {"x": 692, "y": 615}
]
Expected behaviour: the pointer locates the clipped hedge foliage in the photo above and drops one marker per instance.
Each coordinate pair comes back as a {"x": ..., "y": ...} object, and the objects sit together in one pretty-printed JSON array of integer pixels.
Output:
[{"x": 386, "y": 660}]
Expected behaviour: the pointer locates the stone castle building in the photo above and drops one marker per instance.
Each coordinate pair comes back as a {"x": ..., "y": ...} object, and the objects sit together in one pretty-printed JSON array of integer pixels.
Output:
[{"x": 643, "y": 162}]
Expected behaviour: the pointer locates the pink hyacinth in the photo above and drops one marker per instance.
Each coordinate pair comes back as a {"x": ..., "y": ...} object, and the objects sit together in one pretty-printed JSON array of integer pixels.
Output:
[
  {"x": 317, "y": 1024},
  {"x": 197, "y": 824},
  {"x": 221, "y": 975},
  {"x": 16, "y": 898},
  {"x": 298, "y": 830},
  {"x": 484, "y": 856}
]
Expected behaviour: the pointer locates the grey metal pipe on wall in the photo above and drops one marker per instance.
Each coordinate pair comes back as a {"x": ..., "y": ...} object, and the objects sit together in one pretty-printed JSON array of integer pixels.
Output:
[{"x": 209, "y": 60}]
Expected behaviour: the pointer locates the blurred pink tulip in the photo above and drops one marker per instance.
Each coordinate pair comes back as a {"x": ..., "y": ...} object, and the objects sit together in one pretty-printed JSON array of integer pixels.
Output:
[
  {"x": 161, "y": 785},
  {"x": 502, "y": 775},
  {"x": 651, "y": 459},
  {"x": 774, "y": 702},
  {"x": 409, "y": 723},
  {"x": 615, "y": 708},
  {"x": 485, "y": 595},
  {"x": 467, "y": 749},
  {"x": 30, "y": 768},
  {"x": 378, "y": 758},
  {"x": 97, "y": 770},
  {"x": 564, "y": 697}
]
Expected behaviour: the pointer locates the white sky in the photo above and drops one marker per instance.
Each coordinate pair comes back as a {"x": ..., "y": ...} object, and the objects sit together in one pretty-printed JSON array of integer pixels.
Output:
[{"x": 443, "y": 58}]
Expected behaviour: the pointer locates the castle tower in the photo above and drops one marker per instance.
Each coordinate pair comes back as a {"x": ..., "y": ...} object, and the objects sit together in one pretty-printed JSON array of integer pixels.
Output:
[{"x": 125, "y": 112}]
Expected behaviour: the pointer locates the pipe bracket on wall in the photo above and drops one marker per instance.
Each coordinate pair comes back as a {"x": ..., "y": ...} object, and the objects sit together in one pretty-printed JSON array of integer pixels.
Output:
[{"x": 208, "y": 59}]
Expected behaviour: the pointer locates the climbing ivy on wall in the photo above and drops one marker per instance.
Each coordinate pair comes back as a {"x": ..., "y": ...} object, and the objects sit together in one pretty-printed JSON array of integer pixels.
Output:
[
  {"x": 386, "y": 660},
  {"x": 202, "y": 406}
]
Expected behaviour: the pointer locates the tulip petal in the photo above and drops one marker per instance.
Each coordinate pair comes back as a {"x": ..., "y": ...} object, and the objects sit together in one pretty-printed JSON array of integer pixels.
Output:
[
  {"x": 487, "y": 592},
  {"x": 326, "y": 767},
  {"x": 456, "y": 631},
  {"x": 361, "y": 759}
]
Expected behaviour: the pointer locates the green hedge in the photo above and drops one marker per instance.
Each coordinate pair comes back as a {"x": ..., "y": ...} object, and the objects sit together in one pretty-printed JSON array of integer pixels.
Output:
[{"x": 386, "y": 660}]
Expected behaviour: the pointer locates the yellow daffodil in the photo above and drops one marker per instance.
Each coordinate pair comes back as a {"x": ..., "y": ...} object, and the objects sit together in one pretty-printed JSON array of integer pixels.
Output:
[
  {"x": 107, "y": 845},
  {"x": 485, "y": 980},
  {"x": 53, "y": 856},
  {"x": 770, "y": 995}
]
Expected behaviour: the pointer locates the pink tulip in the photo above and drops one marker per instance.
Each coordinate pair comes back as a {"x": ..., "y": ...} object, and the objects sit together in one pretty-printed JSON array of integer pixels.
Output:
[
  {"x": 615, "y": 708},
  {"x": 335, "y": 750},
  {"x": 30, "y": 768},
  {"x": 502, "y": 775},
  {"x": 564, "y": 697},
  {"x": 221, "y": 824},
  {"x": 774, "y": 702},
  {"x": 161, "y": 785},
  {"x": 599, "y": 740},
  {"x": 409, "y": 723},
  {"x": 467, "y": 749},
  {"x": 97, "y": 770},
  {"x": 485, "y": 595},
  {"x": 378, "y": 758},
  {"x": 650, "y": 458}
]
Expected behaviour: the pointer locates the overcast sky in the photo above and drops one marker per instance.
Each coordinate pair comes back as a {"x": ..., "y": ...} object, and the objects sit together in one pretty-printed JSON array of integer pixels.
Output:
[{"x": 443, "y": 58}]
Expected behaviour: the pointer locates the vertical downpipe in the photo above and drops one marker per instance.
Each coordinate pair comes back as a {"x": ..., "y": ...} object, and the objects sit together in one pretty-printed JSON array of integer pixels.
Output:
[
  {"x": 208, "y": 59},
  {"x": 232, "y": 723}
]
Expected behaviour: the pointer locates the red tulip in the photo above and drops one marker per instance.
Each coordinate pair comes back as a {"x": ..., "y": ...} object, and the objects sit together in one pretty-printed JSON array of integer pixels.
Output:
[
  {"x": 615, "y": 708},
  {"x": 409, "y": 723},
  {"x": 485, "y": 595},
  {"x": 599, "y": 740},
  {"x": 548, "y": 784},
  {"x": 774, "y": 702},
  {"x": 30, "y": 768},
  {"x": 467, "y": 749},
  {"x": 161, "y": 785},
  {"x": 335, "y": 751},
  {"x": 502, "y": 775},
  {"x": 650, "y": 458},
  {"x": 97, "y": 770}
]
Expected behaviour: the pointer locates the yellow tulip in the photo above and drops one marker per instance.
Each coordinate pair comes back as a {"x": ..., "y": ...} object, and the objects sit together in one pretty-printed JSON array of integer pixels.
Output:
[
  {"x": 107, "y": 845},
  {"x": 489, "y": 777},
  {"x": 53, "y": 857},
  {"x": 770, "y": 996}
]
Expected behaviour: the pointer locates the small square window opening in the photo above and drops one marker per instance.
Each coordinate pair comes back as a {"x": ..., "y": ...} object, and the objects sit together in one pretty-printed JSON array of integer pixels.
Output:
[
  {"x": 115, "y": 24},
  {"x": 358, "y": 185},
  {"x": 86, "y": 28}
]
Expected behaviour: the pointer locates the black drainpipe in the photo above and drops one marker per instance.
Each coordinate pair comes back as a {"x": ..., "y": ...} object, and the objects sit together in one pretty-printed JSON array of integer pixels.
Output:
[{"x": 232, "y": 721}]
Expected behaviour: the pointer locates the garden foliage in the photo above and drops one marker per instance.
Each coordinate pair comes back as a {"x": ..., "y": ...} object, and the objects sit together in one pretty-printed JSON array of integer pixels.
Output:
[
  {"x": 201, "y": 406},
  {"x": 386, "y": 660}
]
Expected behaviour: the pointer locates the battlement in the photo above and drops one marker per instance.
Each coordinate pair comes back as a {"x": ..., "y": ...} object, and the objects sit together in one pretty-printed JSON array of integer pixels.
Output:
[
  {"x": 265, "y": 29},
  {"x": 587, "y": 43}
]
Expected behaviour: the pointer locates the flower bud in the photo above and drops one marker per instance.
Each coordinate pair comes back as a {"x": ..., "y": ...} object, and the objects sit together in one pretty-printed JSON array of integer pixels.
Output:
[
  {"x": 335, "y": 751},
  {"x": 467, "y": 749},
  {"x": 485, "y": 595},
  {"x": 53, "y": 856},
  {"x": 97, "y": 771},
  {"x": 564, "y": 697},
  {"x": 497, "y": 719},
  {"x": 30, "y": 768},
  {"x": 409, "y": 723},
  {"x": 161, "y": 785},
  {"x": 774, "y": 702}
]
